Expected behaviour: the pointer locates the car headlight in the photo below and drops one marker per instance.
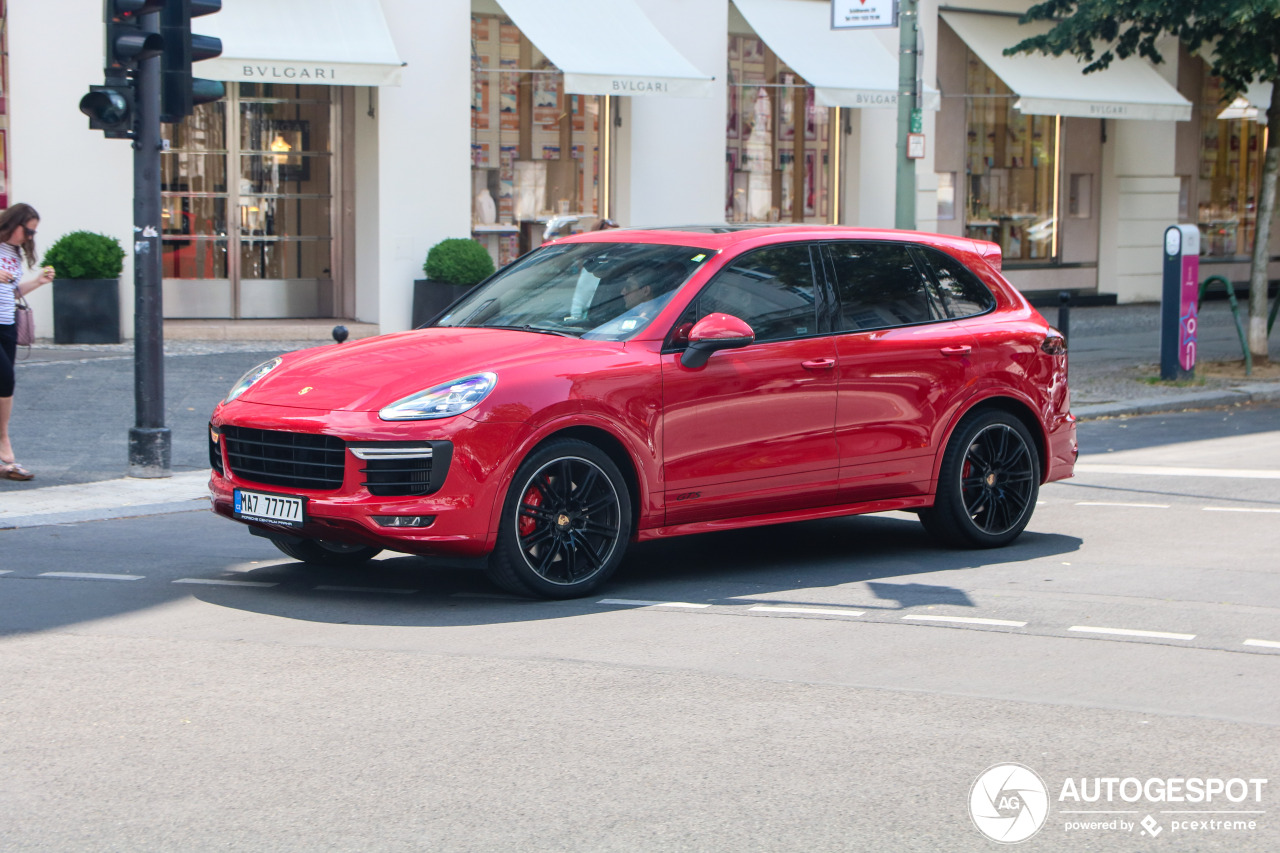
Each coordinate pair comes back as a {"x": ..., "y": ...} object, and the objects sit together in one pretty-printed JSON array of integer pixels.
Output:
[
  {"x": 246, "y": 382},
  {"x": 442, "y": 401}
]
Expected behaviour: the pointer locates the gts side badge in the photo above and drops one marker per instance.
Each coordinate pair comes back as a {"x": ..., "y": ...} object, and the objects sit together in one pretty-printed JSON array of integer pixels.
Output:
[
  {"x": 688, "y": 496},
  {"x": 305, "y": 390}
]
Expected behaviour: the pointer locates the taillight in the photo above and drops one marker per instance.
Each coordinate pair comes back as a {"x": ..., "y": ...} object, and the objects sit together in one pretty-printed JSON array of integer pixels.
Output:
[{"x": 1054, "y": 343}]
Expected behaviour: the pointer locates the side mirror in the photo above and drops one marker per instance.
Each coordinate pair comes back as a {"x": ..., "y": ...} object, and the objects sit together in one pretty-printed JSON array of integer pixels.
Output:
[{"x": 715, "y": 332}]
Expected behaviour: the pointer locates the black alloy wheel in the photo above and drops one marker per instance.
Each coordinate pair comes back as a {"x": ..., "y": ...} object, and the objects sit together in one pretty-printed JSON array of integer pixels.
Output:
[
  {"x": 322, "y": 552},
  {"x": 565, "y": 524},
  {"x": 988, "y": 483}
]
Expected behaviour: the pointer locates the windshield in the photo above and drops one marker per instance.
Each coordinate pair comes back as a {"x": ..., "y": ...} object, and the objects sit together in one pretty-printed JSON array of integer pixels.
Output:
[{"x": 600, "y": 291}]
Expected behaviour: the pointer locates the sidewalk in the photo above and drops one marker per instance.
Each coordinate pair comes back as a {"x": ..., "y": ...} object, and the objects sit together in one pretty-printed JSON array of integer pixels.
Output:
[{"x": 75, "y": 405}]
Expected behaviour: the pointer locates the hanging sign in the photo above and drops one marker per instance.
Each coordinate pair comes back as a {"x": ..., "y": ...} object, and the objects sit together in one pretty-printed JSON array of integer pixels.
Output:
[
  {"x": 863, "y": 14},
  {"x": 915, "y": 146}
]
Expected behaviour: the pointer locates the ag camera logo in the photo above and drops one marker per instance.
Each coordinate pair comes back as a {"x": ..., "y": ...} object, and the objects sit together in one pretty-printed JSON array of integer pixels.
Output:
[{"x": 1009, "y": 803}]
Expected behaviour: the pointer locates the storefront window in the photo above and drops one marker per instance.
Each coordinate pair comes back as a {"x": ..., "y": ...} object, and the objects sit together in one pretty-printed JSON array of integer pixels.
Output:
[
  {"x": 1011, "y": 162},
  {"x": 1230, "y": 167},
  {"x": 535, "y": 149},
  {"x": 773, "y": 125},
  {"x": 247, "y": 204}
]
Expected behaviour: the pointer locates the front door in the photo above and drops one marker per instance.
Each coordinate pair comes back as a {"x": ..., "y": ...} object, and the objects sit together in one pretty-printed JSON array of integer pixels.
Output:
[{"x": 752, "y": 431}]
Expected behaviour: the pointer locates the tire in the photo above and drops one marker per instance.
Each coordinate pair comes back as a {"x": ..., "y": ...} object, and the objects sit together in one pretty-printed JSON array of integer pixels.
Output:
[
  {"x": 988, "y": 483},
  {"x": 565, "y": 523},
  {"x": 321, "y": 552}
]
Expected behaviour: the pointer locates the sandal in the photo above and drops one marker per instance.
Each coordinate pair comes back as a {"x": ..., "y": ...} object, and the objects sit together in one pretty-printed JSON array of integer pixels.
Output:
[{"x": 14, "y": 471}]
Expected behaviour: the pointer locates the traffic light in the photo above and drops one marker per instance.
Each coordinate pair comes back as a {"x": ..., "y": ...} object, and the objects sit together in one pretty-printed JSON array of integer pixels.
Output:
[
  {"x": 110, "y": 107},
  {"x": 179, "y": 91},
  {"x": 127, "y": 43}
]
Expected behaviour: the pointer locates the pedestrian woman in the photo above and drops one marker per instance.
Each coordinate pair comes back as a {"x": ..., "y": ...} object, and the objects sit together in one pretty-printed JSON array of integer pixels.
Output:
[{"x": 17, "y": 243}]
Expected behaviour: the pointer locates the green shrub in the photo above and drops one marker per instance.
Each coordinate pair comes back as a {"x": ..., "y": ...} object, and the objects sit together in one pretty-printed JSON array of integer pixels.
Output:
[
  {"x": 458, "y": 261},
  {"x": 83, "y": 254}
]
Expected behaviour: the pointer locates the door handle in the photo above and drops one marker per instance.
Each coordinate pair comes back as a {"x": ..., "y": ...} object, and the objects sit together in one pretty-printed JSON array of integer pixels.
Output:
[
  {"x": 819, "y": 363},
  {"x": 963, "y": 349}
]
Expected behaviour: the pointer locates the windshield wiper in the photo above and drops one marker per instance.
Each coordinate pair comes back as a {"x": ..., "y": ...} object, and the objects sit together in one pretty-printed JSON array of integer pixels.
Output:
[{"x": 527, "y": 328}]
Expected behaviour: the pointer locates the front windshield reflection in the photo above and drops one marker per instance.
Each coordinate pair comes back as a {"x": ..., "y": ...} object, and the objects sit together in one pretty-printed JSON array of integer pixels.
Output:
[{"x": 599, "y": 291}]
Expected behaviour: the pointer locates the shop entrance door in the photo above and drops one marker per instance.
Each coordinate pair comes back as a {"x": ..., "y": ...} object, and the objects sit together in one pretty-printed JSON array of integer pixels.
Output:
[{"x": 248, "y": 188}]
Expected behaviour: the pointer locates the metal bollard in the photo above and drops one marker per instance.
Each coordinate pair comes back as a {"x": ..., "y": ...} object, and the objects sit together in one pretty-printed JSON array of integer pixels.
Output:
[{"x": 1064, "y": 315}]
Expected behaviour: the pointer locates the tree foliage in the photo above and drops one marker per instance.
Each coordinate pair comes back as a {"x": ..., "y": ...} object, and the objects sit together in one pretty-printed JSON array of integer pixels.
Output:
[{"x": 1240, "y": 38}]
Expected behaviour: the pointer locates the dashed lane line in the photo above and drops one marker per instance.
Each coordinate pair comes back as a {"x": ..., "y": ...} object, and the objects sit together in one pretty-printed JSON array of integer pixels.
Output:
[
  {"x": 1237, "y": 509},
  {"x": 1172, "y": 471},
  {"x": 1115, "y": 503},
  {"x": 631, "y": 602},
  {"x": 90, "y": 576},
  {"x": 1130, "y": 632},
  {"x": 967, "y": 620},
  {"x": 217, "y": 582},
  {"x": 817, "y": 611},
  {"x": 1263, "y": 644}
]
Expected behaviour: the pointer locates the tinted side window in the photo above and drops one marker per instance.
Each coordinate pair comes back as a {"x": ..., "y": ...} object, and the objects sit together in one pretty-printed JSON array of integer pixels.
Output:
[
  {"x": 771, "y": 289},
  {"x": 961, "y": 290},
  {"x": 880, "y": 286}
]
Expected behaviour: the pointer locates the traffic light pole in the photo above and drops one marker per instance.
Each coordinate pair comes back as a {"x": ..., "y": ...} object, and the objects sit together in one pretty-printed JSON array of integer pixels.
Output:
[
  {"x": 908, "y": 57},
  {"x": 150, "y": 441}
]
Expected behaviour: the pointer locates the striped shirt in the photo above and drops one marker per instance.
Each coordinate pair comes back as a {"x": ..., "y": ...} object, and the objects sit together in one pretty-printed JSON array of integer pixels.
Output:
[{"x": 10, "y": 260}]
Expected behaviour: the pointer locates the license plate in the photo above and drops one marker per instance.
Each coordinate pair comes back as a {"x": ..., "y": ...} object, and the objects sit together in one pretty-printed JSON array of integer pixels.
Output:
[{"x": 277, "y": 509}]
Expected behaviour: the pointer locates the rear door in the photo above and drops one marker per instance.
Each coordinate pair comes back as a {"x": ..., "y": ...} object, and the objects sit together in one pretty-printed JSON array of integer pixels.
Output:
[
  {"x": 752, "y": 431},
  {"x": 904, "y": 367}
]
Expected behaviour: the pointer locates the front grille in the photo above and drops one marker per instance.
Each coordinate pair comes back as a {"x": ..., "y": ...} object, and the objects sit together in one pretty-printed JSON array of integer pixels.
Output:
[
  {"x": 291, "y": 459},
  {"x": 401, "y": 469}
]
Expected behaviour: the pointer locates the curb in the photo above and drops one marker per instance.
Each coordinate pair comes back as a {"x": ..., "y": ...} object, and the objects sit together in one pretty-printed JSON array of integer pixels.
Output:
[{"x": 1254, "y": 392}]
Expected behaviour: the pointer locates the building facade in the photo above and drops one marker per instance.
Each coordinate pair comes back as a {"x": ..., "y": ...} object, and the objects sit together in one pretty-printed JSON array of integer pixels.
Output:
[{"x": 356, "y": 135}]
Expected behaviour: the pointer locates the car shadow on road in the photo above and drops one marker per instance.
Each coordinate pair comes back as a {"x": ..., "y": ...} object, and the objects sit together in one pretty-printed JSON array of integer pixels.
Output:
[
  {"x": 882, "y": 562},
  {"x": 875, "y": 555}
]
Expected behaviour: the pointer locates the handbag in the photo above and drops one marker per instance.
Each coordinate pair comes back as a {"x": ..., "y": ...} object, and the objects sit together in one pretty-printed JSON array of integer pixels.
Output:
[{"x": 26, "y": 323}]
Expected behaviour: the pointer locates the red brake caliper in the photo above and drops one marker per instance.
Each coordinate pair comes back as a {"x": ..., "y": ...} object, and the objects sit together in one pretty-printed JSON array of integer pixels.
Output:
[{"x": 533, "y": 497}]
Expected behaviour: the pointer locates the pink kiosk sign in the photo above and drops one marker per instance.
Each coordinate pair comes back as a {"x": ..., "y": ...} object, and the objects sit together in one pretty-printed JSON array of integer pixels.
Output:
[{"x": 1179, "y": 305}]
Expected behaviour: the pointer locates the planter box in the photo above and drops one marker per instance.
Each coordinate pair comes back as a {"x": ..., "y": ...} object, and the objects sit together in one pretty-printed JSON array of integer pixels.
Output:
[
  {"x": 430, "y": 298},
  {"x": 86, "y": 311}
]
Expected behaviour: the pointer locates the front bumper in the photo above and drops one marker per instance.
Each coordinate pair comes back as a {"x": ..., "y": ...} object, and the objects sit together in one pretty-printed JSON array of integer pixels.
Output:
[{"x": 464, "y": 502}]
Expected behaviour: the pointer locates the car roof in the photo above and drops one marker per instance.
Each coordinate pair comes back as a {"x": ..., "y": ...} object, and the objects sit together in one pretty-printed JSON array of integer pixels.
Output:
[{"x": 722, "y": 236}]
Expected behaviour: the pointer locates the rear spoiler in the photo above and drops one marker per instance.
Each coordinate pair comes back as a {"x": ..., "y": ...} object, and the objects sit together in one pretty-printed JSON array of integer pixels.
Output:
[{"x": 990, "y": 252}]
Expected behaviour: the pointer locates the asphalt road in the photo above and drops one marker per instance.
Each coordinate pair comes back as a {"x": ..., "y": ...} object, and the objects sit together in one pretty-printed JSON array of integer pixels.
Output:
[{"x": 834, "y": 685}]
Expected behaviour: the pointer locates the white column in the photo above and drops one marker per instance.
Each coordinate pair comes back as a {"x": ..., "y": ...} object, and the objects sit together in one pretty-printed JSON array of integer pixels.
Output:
[
  {"x": 421, "y": 193},
  {"x": 675, "y": 168},
  {"x": 1139, "y": 200},
  {"x": 75, "y": 177}
]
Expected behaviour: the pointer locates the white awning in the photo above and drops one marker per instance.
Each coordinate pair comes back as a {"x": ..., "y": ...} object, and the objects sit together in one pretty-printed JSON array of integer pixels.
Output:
[
  {"x": 325, "y": 42},
  {"x": 607, "y": 48},
  {"x": 1252, "y": 105},
  {"x": 846, "y": 68},
  {"x": 1056, "y": 85}
]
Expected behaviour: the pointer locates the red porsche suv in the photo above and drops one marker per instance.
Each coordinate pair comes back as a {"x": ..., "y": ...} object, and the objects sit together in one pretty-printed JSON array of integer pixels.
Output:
[{"x": 628, "y": 385}]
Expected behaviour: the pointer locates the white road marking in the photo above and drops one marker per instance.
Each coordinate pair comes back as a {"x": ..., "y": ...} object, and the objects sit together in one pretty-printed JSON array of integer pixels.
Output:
[
  {"x": 823, "y": 612},
  {"x": 1129, "y": 632},
  {"x": 366, "y": 589},
  {"x": 6, "y": 571},
  {"x": 1263, "y": 644},
  {"x": 215, "y": 582},
  {"x": 636, "y": 603},
  {"x": 1171, "y": 471},
  {"x": 91, "y": 576},
  {"x": 1109, "y": 503},
  {"x": 968, "y": 620},
  {"x": 492, "y": 595},
  {"x": 1237, "y": 509}
]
